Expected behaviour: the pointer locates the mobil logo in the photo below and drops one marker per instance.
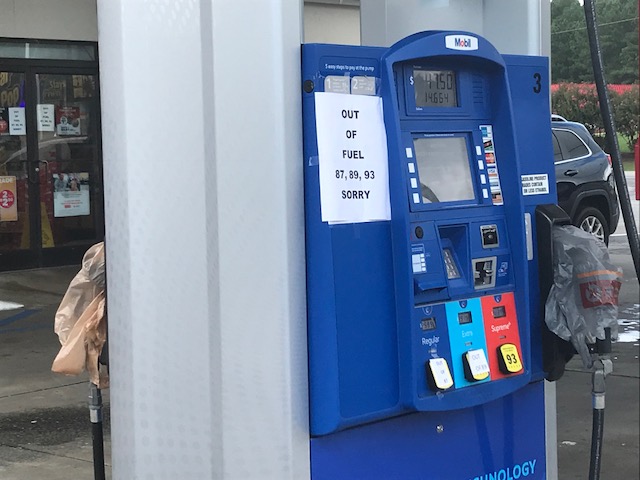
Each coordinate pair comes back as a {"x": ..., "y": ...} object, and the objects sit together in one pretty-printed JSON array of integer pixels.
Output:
[{"x": 461, "y": 42}]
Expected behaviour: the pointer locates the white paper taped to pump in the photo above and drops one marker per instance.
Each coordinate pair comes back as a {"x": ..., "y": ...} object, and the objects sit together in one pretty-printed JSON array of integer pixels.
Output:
[{"x": 352, "y": 156}]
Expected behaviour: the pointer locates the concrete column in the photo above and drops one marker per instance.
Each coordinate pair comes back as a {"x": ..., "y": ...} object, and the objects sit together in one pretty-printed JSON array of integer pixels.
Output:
[
  {"x": 384, "y": 22},
  {"x": 520, "y": 27},
  {"x": 201, "y": 121},
  {"x": 513, "y": 26}
]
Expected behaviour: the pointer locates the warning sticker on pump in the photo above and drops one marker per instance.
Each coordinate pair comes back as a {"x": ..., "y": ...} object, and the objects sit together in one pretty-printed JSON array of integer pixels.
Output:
[
  {"x": 492, "y": 165},
  {"x": 537, "y": 184}
]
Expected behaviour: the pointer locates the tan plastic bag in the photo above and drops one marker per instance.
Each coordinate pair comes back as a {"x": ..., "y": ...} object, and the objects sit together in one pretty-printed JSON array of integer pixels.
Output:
[
  {"x": 80, "y": 321},
  {"x": 84, "y": 287},
  {"x": 80, "y": 345}
]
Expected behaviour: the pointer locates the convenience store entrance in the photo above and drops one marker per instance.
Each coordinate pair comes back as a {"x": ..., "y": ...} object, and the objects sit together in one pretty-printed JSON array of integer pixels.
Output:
[{"x": 51, "y": 197}]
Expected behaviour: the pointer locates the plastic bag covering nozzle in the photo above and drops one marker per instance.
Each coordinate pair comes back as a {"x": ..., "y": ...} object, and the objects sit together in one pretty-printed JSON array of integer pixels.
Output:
[
  {"x": 80, "y": 320},
  {"x": 583, "y": 300}
]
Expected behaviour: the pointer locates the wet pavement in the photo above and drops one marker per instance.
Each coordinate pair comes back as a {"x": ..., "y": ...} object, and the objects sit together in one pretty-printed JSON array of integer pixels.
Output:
[
  {"x": 52, "y": 443},
  {"x": 45, "y": 430},
  {"x": 44, "y": 420},
  {"x": 621, "y": 423}
]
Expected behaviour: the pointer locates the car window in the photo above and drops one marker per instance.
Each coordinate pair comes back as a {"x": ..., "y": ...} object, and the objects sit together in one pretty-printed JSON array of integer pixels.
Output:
[
  {"x": 571, "y": 145},
  {"x": 55, "y": 149},
  {"x": 557, "y": 155}
]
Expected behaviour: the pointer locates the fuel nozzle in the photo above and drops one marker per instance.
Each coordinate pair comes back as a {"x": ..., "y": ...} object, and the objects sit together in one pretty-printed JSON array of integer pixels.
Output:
[
  {"x": 602, "y": 366},
  {"x": 601, "y": 347}
]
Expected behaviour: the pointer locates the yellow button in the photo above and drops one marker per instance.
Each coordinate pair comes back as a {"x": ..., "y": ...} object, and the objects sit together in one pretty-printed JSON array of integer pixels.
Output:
[
  {"x": 509, "y": 358},
  {"x": 476, "y": 365}
]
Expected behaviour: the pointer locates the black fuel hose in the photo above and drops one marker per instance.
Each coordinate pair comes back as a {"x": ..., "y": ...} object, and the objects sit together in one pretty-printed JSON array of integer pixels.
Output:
[
  {"x": 98, "y": 451},
  {"x": 602, "y": 366},
  {"x": 97, "y": 435},
  {"x": 597, "y": 434},
  {"x": 610, "y": 130}
]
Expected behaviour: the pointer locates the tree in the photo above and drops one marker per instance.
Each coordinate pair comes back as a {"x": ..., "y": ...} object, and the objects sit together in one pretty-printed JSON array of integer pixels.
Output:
[
  {"x": 618, "y": 30},
  {"x": 569, "y": 57}
]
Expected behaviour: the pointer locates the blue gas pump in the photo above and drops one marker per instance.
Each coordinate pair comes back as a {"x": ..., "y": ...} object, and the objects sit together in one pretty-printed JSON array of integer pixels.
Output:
[{"x": 425, "y": 164}]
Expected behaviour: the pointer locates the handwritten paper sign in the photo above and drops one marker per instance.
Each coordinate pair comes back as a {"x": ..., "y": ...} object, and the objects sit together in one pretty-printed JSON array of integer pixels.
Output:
[
  {"x": 352, "y": 151},
  {"x": 17, "y": 123},
  {"x": 46, "y": 118}
]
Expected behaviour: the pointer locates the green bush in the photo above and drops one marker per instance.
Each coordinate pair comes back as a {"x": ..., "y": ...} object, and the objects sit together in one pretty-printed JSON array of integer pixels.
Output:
[
  {"x": 627, "y": 109},
  {"x": 578, "y": 102}
]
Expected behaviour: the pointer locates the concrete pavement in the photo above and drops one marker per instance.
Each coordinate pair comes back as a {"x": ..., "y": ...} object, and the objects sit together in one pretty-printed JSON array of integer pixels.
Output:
[
  {"x": 44, "y": 420},
  {"x": 45, "y": 431}
]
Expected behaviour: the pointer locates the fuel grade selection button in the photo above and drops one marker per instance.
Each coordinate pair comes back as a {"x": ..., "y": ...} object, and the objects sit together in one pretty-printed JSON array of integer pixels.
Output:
[
  {"x": 438, "y": 374},
  {"x": 476, "y": 366},
  {"x": 509, "y": 359}
]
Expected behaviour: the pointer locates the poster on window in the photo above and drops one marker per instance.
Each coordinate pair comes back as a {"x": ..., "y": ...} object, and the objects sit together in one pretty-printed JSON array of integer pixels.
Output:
[
  {"x": 68, "y": 120},
  {"x": 8, "y": 203},
  {"x": 4, "y": 121},
  {"x": 71, "y": 195}
]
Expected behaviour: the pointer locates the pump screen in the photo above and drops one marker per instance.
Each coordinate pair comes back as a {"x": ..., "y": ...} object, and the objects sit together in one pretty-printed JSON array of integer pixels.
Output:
[
  {"x": 464, "y": 318},
  {"x": 443, "y": 167},
  {"x": 435, "y": 88}
]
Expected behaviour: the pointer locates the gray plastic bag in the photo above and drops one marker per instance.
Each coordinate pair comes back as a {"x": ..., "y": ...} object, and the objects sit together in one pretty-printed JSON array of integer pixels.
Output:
[{"x": 583, "y": 300}]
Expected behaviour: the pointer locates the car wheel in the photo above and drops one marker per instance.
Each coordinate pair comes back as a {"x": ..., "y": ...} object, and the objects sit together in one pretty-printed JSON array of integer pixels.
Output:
[{"x": 592, "y": 221}]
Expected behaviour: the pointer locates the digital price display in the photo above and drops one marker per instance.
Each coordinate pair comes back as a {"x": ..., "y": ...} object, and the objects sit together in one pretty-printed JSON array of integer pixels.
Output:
[
  {"x": 428, "y": 323},
  {"x": 464, "y": 318},
  {"x": 435, "y": 88},
  {"x": 499, "y": 312}
]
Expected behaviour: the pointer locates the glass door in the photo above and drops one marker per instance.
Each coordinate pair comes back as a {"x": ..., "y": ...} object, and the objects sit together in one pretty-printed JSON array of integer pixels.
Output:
[
  {"x": 67, "y": 164},
  {"x": 51, "y": 200},
  {"x": 15, "y": 194}
]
